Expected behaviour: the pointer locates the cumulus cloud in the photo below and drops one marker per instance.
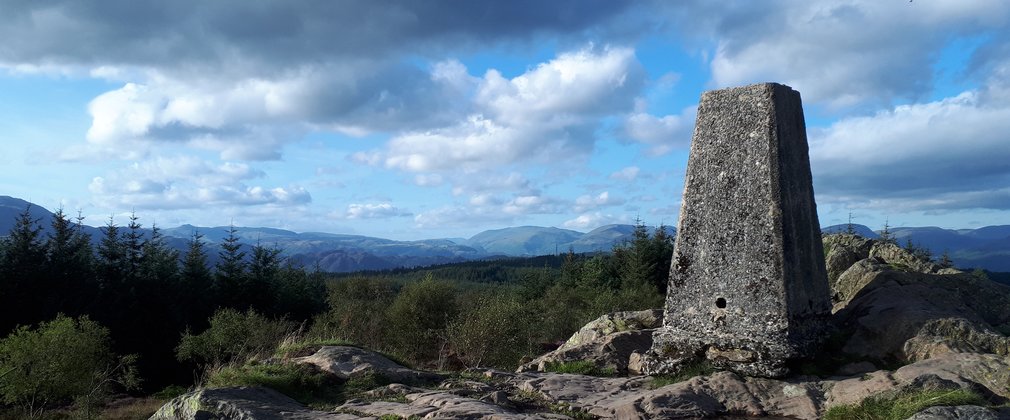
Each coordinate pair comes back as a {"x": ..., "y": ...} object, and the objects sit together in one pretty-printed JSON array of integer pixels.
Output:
[
  {"x": 187, "y": 182},
  {"x": 546, "y": 114},
  {"x": 947, "y": 154},
  {"x": 245, "y": 79},
  {"x": 374, "y": 211},
  {"x": 661, "y": 134},
  {"x": 589, "y": 221},
  {"x": 587, "y": 202},
  {"x": 838, "y": 53}
]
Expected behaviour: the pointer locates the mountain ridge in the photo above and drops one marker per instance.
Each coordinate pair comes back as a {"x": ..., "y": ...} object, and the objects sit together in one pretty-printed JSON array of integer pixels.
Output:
[{"x": 986, "y": 247}]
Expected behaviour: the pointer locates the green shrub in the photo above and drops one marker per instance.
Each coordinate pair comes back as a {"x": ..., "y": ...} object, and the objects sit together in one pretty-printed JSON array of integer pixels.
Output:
[
  {"x": 903, "y": 405},
  {"x": 233, "y": 335},
  {"x": 357, "y": 312},
  {"x": 495, "y": 330},
  {"x": 63, "y": 360},
  {"x": 418, "y": 319}
]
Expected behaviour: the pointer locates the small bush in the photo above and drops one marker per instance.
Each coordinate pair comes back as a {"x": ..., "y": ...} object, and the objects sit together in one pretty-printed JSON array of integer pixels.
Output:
[
  {"x": 903, "y": 405},
  {"x": 418, "y": 319},
  {"x": 233, "y": 336},
  {"x": 64, "y": 360},
  {"x": 494, "y": 331}
]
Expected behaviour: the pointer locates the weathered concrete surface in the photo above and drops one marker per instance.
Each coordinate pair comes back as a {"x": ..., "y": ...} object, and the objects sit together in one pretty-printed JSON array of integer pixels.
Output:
[{"x": 748, "y": 288}]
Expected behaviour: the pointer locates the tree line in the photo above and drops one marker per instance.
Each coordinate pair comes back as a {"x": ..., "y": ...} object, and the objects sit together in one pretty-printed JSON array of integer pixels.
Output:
[{"x": 145, "y": 293}]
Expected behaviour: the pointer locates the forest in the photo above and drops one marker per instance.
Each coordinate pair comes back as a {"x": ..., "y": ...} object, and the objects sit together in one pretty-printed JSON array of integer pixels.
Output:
[{"x": 84, "y": 324}]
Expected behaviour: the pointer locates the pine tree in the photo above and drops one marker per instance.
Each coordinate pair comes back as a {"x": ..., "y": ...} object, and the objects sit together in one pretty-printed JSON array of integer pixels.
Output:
[
  {"x": 133, "y": 241},
  {"x": 112, "y": 257},
  {"x": 68, "y": 267},
  {"x": 229, "y": 276},
  {"x": 945, "y": 261},
  {"x": 885, "y": 235},
  {"x": 196, "y": 284},
  {"x": 21, "y": 256},
  {"x": 264, "y": 268}
]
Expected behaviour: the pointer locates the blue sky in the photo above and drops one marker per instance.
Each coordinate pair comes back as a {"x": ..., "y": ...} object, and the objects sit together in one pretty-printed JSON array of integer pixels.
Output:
[{"x": 412, "y": 120}]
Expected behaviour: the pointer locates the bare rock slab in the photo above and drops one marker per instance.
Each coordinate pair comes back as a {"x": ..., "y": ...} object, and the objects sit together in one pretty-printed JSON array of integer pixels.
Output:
[
  {"x": 346, "y": 362},
  {"x": 748, "y": 286}
]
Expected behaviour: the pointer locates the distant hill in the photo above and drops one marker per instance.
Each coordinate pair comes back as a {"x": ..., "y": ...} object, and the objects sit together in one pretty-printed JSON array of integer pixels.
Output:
[
  {"x": 987, "y": 247},
  {"x": 858, "y": 229}
]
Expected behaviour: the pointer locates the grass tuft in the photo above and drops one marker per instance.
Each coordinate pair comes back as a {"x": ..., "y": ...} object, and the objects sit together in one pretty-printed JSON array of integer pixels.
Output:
[
  {"x": 689, "y": 371},
  {"x": 304, "y": 383},
  {"x": 580, "y": 367},
  {"x": 902, "y": 405}
]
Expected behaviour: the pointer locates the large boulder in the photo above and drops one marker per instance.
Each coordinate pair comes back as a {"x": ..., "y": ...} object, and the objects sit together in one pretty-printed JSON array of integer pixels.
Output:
[
  {"x": 901, "y": 316},
  {"x": 608, "y": 342},
  {"x": 843, "y": 250},
  {"x": 347, "y": 362}
]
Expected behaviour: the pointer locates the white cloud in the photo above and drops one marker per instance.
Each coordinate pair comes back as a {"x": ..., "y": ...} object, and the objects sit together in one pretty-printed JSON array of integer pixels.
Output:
[
  {"x": 838, "y": 53},
  {"x": 662, "y": 134},
  {"x": 188, "y": 182},
  {"x": 547, "y": 114},
  {"x": 589, "y": 221},
  {"x": 587, "y": 202},
  {"x": 626, "y": 174},
  {"x": 374, "y": 211},
  {"x": 950, "y": 153}
]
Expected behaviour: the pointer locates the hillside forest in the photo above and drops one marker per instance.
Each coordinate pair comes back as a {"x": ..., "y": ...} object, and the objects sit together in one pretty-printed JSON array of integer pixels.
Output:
[{"x": 86, "y": 324}]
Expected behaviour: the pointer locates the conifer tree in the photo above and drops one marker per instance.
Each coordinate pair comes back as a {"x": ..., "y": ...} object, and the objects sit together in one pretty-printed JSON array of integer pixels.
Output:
[
  {"x": 229, "y": 276},
  {"x": 68, "y": 268},
  {"x": 196, "y": 283},
  {"x": 111, "y": 257},
  {"x": 264, "y": 267},
  {"x": 21, "y": 256}
]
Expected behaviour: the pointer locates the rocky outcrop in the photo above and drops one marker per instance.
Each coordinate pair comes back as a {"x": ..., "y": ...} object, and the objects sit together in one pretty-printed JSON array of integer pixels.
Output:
[
  {"x": 242, "y": 403},
  {"x": 346, "y": 362},
  {"x": 609, "y": 342},
  {"x": 532, "y": 395},
  {"x": 949, "y": 330},
  {"x": 843, "y": 250},
  {"x": 902, "y": 316}
]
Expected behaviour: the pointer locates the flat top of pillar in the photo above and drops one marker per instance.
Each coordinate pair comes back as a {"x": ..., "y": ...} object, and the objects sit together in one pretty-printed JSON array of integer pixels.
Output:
[{"x": 754, "y": 90}]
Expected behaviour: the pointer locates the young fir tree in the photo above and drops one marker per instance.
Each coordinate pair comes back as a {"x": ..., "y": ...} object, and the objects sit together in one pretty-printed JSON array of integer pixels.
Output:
[
  {"x": 21, "y": 256},
  {"x": 68, "y": 273},
  {"x": 229, "y": 276},
  {"x": 196, "y": 284},
  {"x": 264, "y": 267}
]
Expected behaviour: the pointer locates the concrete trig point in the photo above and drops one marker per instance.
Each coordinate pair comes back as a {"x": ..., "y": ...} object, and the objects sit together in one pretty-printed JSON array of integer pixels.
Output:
[{"x": 748, "y": 288}]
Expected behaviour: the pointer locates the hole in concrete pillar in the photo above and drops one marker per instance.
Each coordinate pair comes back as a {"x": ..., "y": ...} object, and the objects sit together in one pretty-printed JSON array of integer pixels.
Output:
[{"x": 720, "y": 303}]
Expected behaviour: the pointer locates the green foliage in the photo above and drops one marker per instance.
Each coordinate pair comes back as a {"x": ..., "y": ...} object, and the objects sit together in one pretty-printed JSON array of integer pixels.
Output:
[
  {"x": 64, "y": 360},
  {"x": 234, "y": 336},
  {"x": 903, "y": 405},
  {"x": 357, "y": 312},
  {"x": 306, "y": 384},
  {"x": 418, "y": 319},
  {"x": 580, "y": 367},
  {"x": 494, "y": 330}
]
